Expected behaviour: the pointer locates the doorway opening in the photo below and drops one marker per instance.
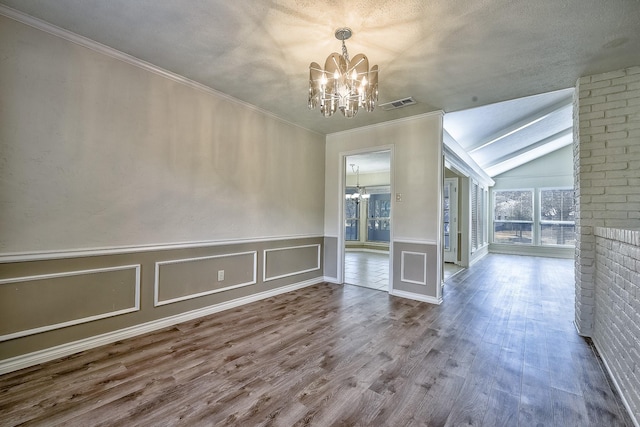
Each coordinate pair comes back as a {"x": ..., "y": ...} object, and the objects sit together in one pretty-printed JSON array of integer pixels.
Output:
[
  {"x": 367, "y": 219},
  {"x": 453, "y": 230}
]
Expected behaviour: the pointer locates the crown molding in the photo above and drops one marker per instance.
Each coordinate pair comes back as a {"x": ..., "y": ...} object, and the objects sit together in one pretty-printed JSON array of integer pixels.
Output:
[{"x": 389, "y": 122}]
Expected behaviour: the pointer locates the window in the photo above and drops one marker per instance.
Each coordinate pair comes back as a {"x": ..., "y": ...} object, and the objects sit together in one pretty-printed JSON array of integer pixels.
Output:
[
  {"x": 379, "y": 209},
  {"x": 483, "y": 214},
  {"x": 513, "y": 216},
  {"x": 352, "y": 218},
  {"x": 478, "y": 214},
  {"x": 557, "y": 216},
  {"x": 474, "y": 216}
]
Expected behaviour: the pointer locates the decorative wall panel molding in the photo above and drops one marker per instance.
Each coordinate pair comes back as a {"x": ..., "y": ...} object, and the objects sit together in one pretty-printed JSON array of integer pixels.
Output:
[
  {"x": 413, "y": 267},
  {"x": 183, "y": 279},
  {"x": 35, "y": 304},
  {"x": 289, "y": 261}
]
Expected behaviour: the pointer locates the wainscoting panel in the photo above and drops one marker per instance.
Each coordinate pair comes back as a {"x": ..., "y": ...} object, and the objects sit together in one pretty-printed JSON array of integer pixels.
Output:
[
  {"x": 53, "y": 303},
  {"x": 36, "y": 304},
  {"x": 182, "y": 279},
  {"x": 413, "y": 267},
  {"x": 416, "y": 270},
  {"x": 289, "y": 261}
]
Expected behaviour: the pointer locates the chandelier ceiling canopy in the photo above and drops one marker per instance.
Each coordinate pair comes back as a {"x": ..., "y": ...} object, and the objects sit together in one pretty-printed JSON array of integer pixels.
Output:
[{"x": 343, "y": 84}]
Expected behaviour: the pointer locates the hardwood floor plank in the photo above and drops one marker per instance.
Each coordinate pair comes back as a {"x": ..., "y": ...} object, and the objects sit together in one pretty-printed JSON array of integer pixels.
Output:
[
  {"x": 471, "y": 404},
  {"x": 508, "y": 374},
  {"x": 602, "y": 404},
  {"x": 536, "y": 406},
  {"x": 569, "y": 409},
  {"x": 502, "y": 410}
]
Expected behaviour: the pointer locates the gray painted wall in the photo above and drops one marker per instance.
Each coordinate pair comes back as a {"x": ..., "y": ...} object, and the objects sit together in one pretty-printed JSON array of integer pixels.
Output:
[{"x": 97, "y": 152}]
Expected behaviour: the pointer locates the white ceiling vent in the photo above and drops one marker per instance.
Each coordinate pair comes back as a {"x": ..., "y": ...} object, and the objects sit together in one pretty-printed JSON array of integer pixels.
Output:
[{"x": 398, "y": 104}]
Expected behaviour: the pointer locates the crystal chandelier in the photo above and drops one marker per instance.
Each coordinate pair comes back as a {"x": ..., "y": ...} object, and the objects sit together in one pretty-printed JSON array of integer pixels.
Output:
[{"x": 343, "y": 84}]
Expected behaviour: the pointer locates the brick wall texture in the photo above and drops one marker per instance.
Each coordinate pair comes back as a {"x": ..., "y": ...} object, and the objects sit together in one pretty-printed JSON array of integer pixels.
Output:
[
  {"x": 606, "y": 124},
  {"x": 616, "y": 329}
]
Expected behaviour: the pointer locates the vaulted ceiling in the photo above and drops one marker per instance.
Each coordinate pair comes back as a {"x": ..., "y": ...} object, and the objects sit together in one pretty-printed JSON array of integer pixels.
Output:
[
  {"x": 505, "y": 135},
  {"x": 449, "y": 55}
]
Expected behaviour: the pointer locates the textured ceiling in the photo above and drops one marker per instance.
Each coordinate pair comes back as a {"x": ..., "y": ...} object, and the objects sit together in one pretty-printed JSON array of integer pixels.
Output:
[{"x": 447, "y": 54}]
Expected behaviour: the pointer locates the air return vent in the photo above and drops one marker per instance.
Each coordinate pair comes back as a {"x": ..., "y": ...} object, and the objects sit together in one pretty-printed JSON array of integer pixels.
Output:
[{"x": 397, "y": 104}]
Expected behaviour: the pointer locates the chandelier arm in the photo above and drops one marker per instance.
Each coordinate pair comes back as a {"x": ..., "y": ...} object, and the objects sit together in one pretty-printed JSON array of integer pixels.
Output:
[{"x": 354, "y": 67}]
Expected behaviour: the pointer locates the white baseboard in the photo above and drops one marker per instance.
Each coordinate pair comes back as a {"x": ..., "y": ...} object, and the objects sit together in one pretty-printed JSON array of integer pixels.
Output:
[
  {"x": 45, "y": 355},
  {"x": 579, "y": 332},
  {"x": 369, "y": 250},
  {"x": 635, "y": 421},
  {"x": 333, "y": 280},
  {"x": 414, "y": 296}
]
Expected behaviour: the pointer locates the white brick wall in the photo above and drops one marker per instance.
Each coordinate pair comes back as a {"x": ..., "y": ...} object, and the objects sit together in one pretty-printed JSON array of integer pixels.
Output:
[
  {"x": 606, "y": 127},
  {"x": 616, "y": 329},
  {"x": 607, "y": 163}
]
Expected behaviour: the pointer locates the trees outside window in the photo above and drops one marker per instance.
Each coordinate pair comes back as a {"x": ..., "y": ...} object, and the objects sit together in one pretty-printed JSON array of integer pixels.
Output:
[
  {"x": 544, "y": 217},
  {"x": 513, "y": 216},
  {"x": 557, "y": 215}
]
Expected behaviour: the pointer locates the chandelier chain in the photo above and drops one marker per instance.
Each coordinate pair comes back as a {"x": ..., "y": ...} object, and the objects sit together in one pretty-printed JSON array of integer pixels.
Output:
[{"x": 345, "y": 54}]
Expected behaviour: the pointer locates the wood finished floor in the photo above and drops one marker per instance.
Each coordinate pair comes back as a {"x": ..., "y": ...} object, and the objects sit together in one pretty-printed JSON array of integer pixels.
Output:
[{"x": 500, "y": 351}]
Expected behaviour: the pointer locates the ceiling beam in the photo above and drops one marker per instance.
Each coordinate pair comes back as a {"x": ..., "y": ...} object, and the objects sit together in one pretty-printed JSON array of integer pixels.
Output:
[
  {"x": 523, "y": 124},
  {"x": 556, "y": 141},
  {"x": 455, "y": 154}
]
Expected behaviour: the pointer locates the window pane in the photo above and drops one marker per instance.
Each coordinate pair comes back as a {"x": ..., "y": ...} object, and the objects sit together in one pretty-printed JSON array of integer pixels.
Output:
[
  {"x": 556, "y": 205},
  {"x": 351, "y": 230},
  {"x": 513, "y": 206},
  {"x": 378, "y": 230},
  {"x": 474, "y": 217},
  {"x": 518, "y": 233},
  {"x": 351, "y": 209},
  {"x": 352, "y": 215},
  {"x": 379, "y": 210},
  {"x": 557, "y": 234}
]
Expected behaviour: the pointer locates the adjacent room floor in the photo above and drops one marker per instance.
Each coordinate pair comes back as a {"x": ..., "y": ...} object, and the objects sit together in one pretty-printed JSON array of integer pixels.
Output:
[
  {"x": 371, "y": 269},
  {"x": 501, "y": 350},
  {"x": 367, "y": 269}
]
